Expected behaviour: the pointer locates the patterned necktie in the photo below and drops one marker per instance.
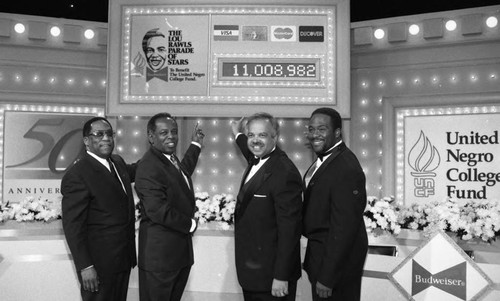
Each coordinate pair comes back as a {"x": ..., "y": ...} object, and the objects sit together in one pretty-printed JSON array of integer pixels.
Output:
[{"x": 175, "y": 161}]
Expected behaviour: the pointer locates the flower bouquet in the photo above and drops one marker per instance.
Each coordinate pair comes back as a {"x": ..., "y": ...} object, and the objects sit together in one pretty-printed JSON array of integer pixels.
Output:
[
  {"x": 30, "y": 209},
  {"x": 381, "y": 215},
  {"x": 219, "y": 208}
]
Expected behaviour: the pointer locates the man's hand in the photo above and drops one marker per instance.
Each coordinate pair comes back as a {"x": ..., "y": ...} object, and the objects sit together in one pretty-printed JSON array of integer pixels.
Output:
[
  {"x": 280, "y": 288},
  {"x": 237, "y": 126},
  {"x": 197, "y": 135},
  {"x": 323, "y": 291},
  {"x": 90, "y": 280}
]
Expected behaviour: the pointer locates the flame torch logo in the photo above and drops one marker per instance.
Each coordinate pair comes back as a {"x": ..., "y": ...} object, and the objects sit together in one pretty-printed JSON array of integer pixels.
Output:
[{"x": 424, "y": 158}]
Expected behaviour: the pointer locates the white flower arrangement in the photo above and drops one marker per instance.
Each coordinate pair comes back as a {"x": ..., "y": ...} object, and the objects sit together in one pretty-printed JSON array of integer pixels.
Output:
[
  {"x": 4, "y": 212},
  {"x": 30, "y": 209},
  {"x": 381, "y": 215},
  {"x": 219, "y": 208},
  {"x": 467, "y": 219}
]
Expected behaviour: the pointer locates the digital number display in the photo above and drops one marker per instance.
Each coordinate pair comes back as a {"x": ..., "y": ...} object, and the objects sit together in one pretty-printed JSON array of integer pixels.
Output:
[{"x": 271, "y": 70}]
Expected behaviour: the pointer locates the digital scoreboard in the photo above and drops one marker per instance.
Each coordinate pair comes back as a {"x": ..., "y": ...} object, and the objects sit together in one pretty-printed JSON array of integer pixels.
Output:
[{"x": 230, "y": 55}]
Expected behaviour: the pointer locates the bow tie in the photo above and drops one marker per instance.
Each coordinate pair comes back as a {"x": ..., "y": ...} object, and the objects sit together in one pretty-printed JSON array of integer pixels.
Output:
[
  {"x": 255, "y": 160},
  {"x": 321, "y": 156},
  {"x": 161, "y": 74}
]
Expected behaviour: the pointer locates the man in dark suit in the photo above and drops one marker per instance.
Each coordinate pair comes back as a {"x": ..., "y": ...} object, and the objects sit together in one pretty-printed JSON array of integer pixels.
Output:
[
  {"x": 165, "y": 189},
  {"x": 267, "y": 214},
  {"x": 334, "y": 202},
  {"x": 98, "y": 215}
]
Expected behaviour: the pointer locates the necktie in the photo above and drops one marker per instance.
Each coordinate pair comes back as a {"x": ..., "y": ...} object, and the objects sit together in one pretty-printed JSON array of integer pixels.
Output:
[
  {"x": 175, "y": 161},
  {"x": 321, "y": 156},
  {"x": 255, "y": 160},
  {"x": 112, "y": 169}
]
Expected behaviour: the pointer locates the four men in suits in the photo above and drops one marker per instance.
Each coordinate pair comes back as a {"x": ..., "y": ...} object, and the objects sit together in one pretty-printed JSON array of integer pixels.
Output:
[
  {"x": 165, "y": 189},
  {"x": 267, "y": 215},
  {"x": 98, "y": 215},
  {"x": 334, "y": 202}
]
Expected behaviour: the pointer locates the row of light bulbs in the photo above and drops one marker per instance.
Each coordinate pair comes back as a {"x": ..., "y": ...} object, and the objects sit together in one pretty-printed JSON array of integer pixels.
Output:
[
  {"x": 450, "y": 25},
  {"x": 55, "y": 31},
  {"x": 453, "y": 78}
]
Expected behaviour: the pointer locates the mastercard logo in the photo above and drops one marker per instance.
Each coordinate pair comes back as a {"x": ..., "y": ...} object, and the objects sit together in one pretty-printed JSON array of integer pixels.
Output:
[{"x": 283, "y": 33}]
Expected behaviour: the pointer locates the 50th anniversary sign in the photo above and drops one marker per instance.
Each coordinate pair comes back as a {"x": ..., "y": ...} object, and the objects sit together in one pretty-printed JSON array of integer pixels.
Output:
[{"x": 38, "y": 149}]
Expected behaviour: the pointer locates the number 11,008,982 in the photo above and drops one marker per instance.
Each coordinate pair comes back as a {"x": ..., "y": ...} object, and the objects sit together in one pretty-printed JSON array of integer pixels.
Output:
[{"x": 269, "y": 70}]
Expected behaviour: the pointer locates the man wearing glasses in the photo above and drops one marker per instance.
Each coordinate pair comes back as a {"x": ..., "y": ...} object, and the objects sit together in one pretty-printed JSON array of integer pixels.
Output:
[{"x": 98, "y": 215}]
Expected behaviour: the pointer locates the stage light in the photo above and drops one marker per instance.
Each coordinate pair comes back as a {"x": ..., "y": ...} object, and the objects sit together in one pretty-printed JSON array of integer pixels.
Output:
[
  {"x": 19, "y": 28},
  {"x": 414, "y": 29},
  {"x": 492, "y": 22},
  {"x": 89, "y": 34},
  {"x": 379, "y": 34},
  {"x": 55, "y": 31},
  {"x": 451, "y": 25}
]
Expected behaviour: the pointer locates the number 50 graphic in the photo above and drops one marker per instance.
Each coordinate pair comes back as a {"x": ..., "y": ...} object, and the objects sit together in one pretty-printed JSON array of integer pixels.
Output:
[{"x": 40, "y": 145}]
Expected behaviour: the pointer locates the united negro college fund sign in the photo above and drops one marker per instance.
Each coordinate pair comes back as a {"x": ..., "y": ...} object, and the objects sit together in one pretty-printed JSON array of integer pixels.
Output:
[{"x": 448, "y": 153}]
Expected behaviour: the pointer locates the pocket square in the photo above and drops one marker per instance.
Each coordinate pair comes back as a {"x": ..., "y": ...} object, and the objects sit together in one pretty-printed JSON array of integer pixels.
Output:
[{"x": 259, "y": 196}]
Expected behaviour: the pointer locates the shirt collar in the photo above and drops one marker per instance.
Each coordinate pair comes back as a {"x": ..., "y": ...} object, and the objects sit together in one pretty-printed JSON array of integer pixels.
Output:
[{"x": 101, "y": 160}]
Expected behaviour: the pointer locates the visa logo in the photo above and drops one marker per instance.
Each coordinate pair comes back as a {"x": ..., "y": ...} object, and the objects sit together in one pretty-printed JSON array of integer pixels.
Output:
[{"x": 226, "y": 32}]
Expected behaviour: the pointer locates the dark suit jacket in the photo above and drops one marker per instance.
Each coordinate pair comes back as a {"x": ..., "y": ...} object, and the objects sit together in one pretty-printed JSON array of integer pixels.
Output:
[
  {"x": 334, "y": 202},
  {"x": 268, "y": 223},
  {"x": 168, "y": 206},
  {"x": 98, "y": 217}
]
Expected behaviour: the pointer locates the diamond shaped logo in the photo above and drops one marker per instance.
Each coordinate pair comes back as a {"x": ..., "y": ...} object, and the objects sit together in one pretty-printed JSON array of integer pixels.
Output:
[{"x": 440, "y": 270}]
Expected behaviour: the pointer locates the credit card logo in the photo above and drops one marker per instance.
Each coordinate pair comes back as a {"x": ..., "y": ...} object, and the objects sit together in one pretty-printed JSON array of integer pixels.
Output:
[
  {"x": 254, "y": 33},
  {"x": 283, "y": 33},
  {"x": 226, "y": 32},
  {"x": 311, "y": 34}
]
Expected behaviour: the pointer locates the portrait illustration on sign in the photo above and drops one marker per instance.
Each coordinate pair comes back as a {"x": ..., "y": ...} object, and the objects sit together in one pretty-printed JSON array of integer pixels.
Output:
[{"x": 168, "y": 55}]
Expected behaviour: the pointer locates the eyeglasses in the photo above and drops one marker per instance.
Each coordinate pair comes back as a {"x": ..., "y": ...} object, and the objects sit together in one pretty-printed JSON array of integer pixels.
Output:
[{"x": 100, "y": 134}]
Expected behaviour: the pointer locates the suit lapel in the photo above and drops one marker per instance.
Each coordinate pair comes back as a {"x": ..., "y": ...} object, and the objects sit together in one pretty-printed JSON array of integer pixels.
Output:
[
  {"x": 104, "y": 173},
  {"x": 338, "y": 150},
  {"x": 248, "y": 189},
  {"x": 124, "y": 176},
  {"x": 174, "y": 172}
]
